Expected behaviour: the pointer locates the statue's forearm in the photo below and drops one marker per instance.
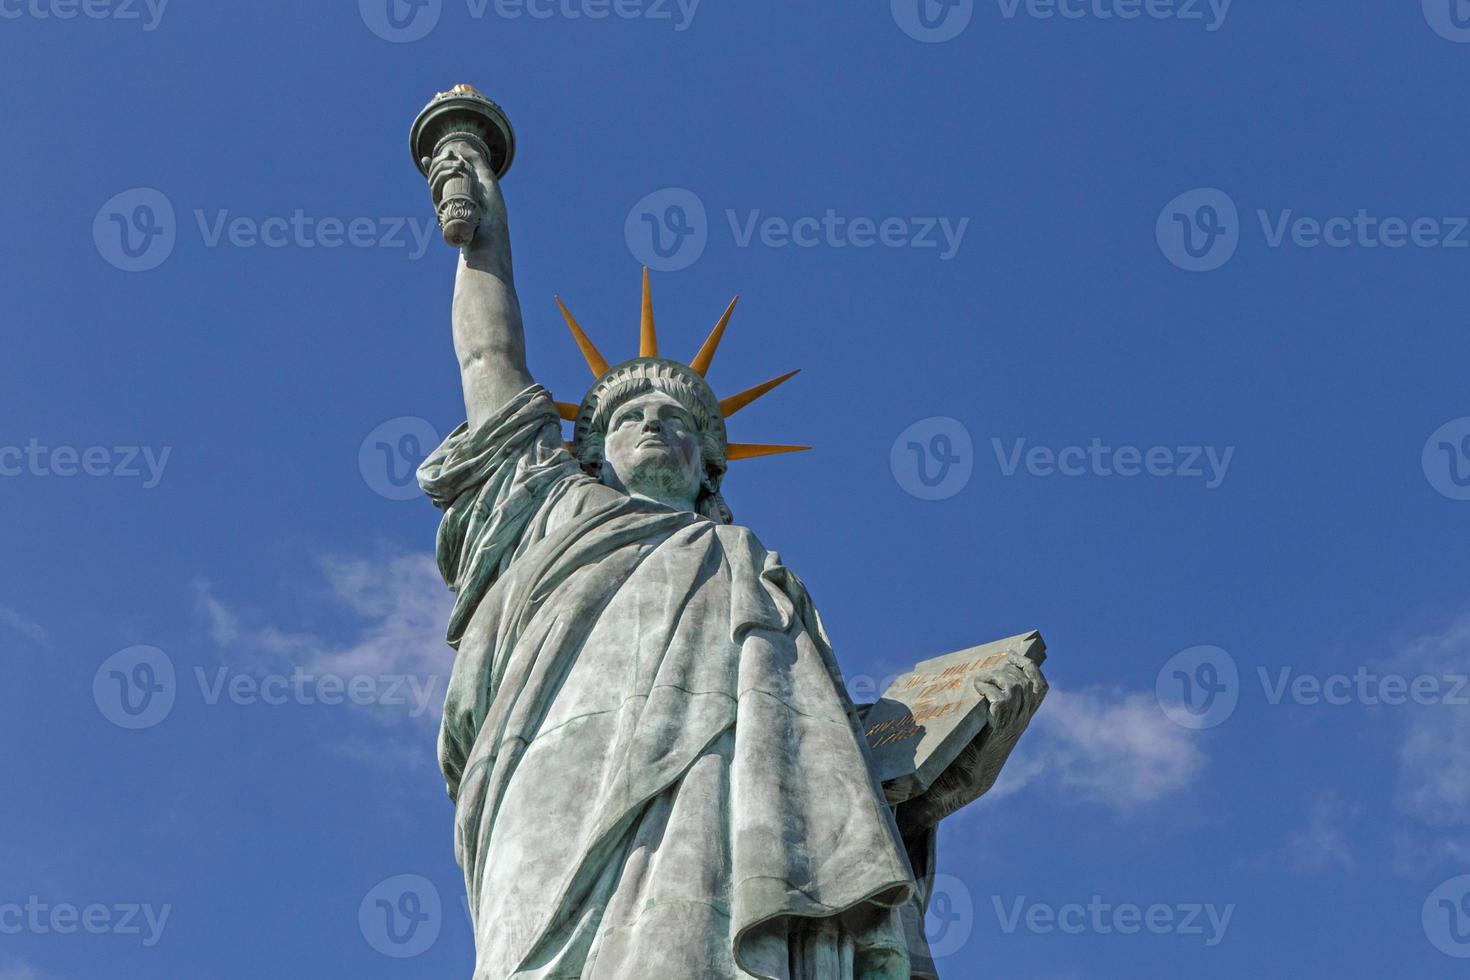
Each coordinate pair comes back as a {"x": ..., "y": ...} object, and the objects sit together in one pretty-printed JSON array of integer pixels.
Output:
[
  {"x": 968, "y": 778},
  {"x": 488, "y": 336}
]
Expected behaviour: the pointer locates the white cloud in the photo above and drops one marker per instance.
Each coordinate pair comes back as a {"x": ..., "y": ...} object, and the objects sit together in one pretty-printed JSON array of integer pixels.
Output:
[
  {"x": 406, "y": 605},
  {"x": 1105, "y": 746},
  {"x": 1419, "y": 852},
  {"x": 1322, "y": 844},
  {"x": 33, "y": 631},
  {"x": 1434, "y": 746},
  {"x": 1432, "y": 788},
  {"x": 224, "y": 627},
  {"x": 399, "y": 607},
  {"x": 18, "y": 970},
  {"x": 401, "y": 756}
]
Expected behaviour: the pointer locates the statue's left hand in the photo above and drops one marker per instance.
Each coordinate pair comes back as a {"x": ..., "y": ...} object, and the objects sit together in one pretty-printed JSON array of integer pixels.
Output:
[{"x": 1014, "y": 689}]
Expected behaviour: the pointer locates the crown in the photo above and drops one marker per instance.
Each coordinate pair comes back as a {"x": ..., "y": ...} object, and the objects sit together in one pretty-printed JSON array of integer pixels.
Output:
[{"x": 648, "y": 364}]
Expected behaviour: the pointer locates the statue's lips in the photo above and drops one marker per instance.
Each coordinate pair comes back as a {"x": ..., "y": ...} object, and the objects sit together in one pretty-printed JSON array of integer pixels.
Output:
[{"x": 651, "y": 441}]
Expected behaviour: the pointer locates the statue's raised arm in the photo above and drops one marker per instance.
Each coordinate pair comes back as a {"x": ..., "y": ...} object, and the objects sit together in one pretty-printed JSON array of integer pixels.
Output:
[{"x": 489, "y": 338}]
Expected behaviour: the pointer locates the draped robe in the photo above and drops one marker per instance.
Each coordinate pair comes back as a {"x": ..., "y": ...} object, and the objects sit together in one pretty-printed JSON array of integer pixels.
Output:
[{"x": 656, "y": 769}]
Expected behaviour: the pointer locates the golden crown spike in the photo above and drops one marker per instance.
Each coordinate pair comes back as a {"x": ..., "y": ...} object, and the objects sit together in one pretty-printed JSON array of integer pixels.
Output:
[
  {"x": 647, "y": 335},
  {"x": 706, "y": 354},
  {"x": 648, "y": 349},
  {"x": 594, "y": 359}
]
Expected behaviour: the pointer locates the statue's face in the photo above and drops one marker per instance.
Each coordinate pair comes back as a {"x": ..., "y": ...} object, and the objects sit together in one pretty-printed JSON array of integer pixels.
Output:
[{"x": 652, "y": 448}]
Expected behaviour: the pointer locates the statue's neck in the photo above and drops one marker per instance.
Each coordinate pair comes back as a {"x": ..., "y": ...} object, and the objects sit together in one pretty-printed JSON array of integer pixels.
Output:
[{"x": 673, "y": 503}]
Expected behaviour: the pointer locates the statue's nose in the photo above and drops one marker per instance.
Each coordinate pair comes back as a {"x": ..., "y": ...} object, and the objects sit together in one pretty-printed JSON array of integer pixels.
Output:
[{"x": 653, "y": 425}]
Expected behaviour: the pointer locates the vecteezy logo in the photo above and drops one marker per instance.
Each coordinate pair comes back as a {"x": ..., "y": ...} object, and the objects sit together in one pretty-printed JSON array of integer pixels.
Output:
[
  {"x": 135, "y": 230},
  {"x": 1199, "y": 687},
  {"x": 400, "y": 21},
  {"x": 401, "y": 916},
  {"x": 1199, "y": 230},
  {"x": 933, "y": 21},
  {"x": 135, "y": 688},
  {"x": 950, "y": 917},
  {"x": 1446, "y": 917},
  {"x": 1446, "y": 459},
  {"x": 389, "y": 457},
  {"x": 1449, "y": 18},
  {"x": 933, "y": 458},
  {"x": 667, "y": 230}
]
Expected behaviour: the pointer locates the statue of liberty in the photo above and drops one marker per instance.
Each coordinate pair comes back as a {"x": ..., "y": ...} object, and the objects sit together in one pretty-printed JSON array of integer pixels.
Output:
[{"x": 656, "y": 769}]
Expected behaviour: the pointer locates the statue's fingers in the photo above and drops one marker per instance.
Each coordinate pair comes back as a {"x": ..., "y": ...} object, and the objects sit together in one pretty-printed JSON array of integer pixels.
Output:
[
  {"x": 1010, "y": 675},
  {"x": 463, "y": 154},
  {"x": 989, "y": 690},
  {"x": 1032, "y": 673},
  {"x": 999, "y": 699},
  {"x": 475, "y": 161},
  {"x": 444, "y": 169},
  {"x": 450, "y": 151},
  {"x": 448, "y": 159}
]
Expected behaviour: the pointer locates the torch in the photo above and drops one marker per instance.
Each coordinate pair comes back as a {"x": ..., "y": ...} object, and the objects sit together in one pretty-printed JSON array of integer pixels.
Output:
[{"x": 462, "y": 115}]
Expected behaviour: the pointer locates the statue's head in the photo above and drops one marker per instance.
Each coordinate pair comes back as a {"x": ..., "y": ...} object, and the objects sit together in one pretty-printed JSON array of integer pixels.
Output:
[
  {"x": 653, "y": 426},
  {"x": 655, "y": 429}
]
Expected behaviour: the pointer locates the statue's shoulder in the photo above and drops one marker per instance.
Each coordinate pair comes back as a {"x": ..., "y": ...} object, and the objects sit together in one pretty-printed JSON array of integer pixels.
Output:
[
  {"x": 740, "y": 542},
  {"x": 737, "y": 535}
]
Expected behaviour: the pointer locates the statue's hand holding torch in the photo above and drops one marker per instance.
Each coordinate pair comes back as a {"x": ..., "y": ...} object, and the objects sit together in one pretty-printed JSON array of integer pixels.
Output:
[
  {"x": 460, "y": 180},
  {"x": 463, "y": 143}
]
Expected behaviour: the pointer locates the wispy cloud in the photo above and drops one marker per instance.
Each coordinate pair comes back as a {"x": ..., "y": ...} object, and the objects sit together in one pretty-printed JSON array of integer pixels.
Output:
[
  {"x": 397, "y": 609},
  {"x": 406, "y": 606},
  {"x": 411, "y": 755},
  {"x": 18, "y": 970},
  {"x": 1433, "y": 754},
  {"x": 1323, "y": 843},
  {"x": 1104, "y": 746},
  {"x": 32, "y": 631}
]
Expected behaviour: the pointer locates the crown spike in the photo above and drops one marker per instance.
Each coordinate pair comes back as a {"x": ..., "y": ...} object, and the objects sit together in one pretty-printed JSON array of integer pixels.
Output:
[
  {"x": 729, "y": 406},
  {"x": 647, "y": 336},
  {"x": 594, "y": 359},
  {"x": 751, "y": 450},
  {"x": 706, "y": 354}
]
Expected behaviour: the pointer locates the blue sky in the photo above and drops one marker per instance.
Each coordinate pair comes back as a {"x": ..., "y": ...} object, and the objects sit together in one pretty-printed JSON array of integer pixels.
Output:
[{"x": 1018, "y": 249}]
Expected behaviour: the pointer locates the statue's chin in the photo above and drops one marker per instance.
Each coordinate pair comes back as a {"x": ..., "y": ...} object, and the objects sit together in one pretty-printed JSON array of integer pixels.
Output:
[{"x": 660, "y": 477}]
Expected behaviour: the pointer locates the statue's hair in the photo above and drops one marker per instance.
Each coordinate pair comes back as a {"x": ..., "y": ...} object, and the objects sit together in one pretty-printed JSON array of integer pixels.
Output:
[{"x": 615, "y": 391}]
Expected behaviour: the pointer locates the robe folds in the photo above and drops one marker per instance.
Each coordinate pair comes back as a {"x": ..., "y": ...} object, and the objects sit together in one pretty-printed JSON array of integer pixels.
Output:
[{"x": 656, "y": 769}]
